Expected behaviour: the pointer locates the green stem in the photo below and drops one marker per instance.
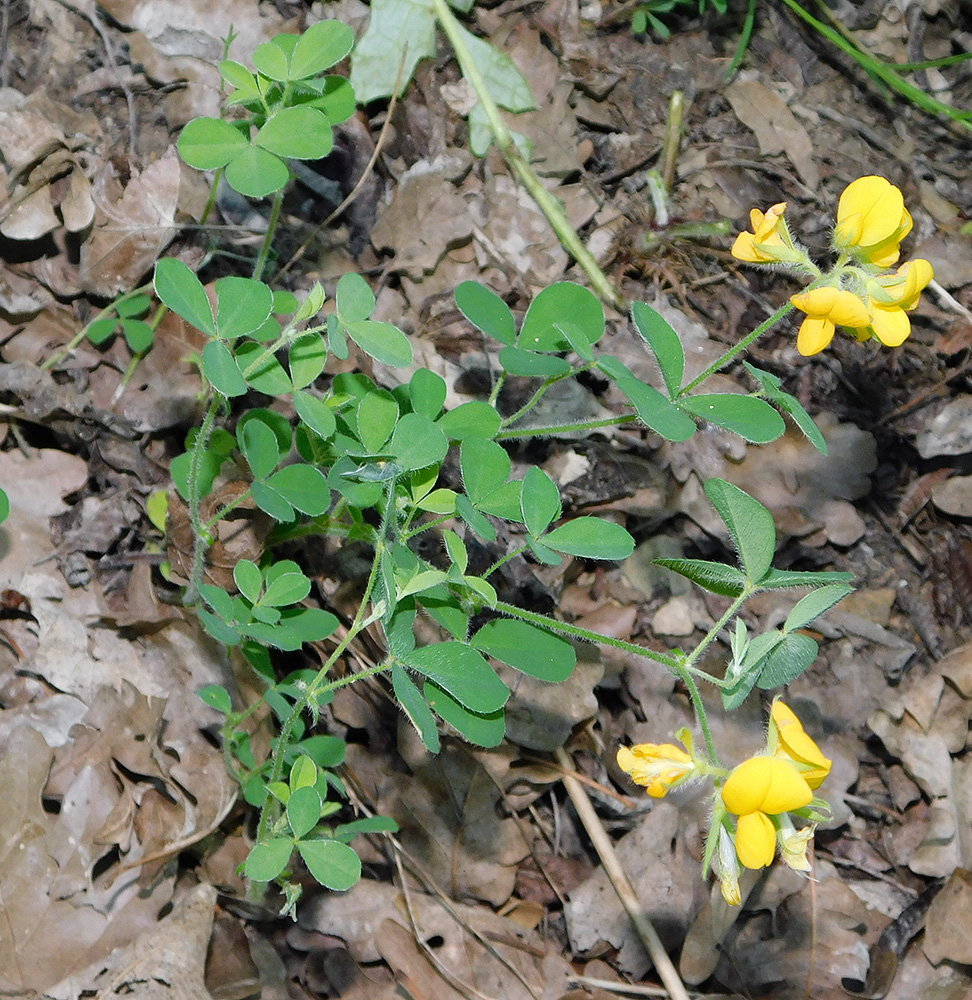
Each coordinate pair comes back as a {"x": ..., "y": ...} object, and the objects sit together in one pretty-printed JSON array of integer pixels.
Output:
[
  {"x": 223, "y": 511},
  {"x": 499, "y": 562},
  {"x": 738, "y": 348},
  {"x": 60, "y": 355},
  {"x": 547, "y": 203},
  {"x": 211, "y": 203},
  {"x": 586, "y": 634},
  {"x": 200, "y": 543},
  {"x": 689, "y": 661},
  {"x": 554, "y": 429},
  {"x": 261, "y": 261},
  {"x": 701, "y": 715},
  {"x": 316, "y": 686}
]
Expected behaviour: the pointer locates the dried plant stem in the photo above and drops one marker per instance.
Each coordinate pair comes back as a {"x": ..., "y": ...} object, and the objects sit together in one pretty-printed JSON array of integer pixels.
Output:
[{"x": 609, "y": 859}]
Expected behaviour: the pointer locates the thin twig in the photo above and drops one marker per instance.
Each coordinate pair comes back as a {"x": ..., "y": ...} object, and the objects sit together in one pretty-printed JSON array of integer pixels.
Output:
[{"x": 612, "y": 866}]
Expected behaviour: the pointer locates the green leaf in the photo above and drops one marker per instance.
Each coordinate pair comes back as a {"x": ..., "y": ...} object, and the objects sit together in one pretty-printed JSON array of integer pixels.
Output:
[
  {"x": 519, "y": 362},
  {"x": 487, "y": 311},
  {"x": 242, "y": 305},
  {"x": 272, "y": 503},
  {"x": 653, "y": 408},
  {"x": 485, "y": 729},
  {"x": 375, "y": 419},
  {"x": 216, "y": 696},
  {"x": 417, "y": 442},
  {"x": 561, "y": 301},
  {"x": 133, "y": 307},
  {"x": 320, "y": 47},
  {"x": 771, "y": 386},
  {"x": 751, "y": 418},
  {"x": 442, "y": 605},
  {"x": 288, "y": 588},
  {"x": 416, "y": 708},
  {"x": 368, "y": 824},
  {"x": 209, "y": 143},
  {"x": 256, "y": 172},
  {"x": 664, "y": 343},
  {"x": 249, "y": 579},
  {"x": 461, "y": 671},
  {"x": 182, "y": 292},
  {"x": 102, "y": 330},
  {"x": 734, "y": 695},
  {"x": 238, "y": 76},
  {"x": 220, "y": 368},
  {"x": 266, "y": 861},
  {"x": 306, "y": 359},
  {"x": 383, "y": 341},
  {"x": 277, "y": 423},
  {"x": 472, "y": 419},
  {"x": 485, "y": 466},
  {"x": 425, "y": 580},
  {"x": 456, "y": 549},
  {"x": 304, "y": 810},
  {"x": 441, "y": 501},
  {"x": 354, "y": 298},
  {"x": 325, "y": 751},
  {"x": 427, "y": 392},
  {"x": 503, "y": 502},
  {"x": 398, "y": 28},
  {"x": 258, "y": 444},
  {"x": 298, "y": 133},
  {"x": 590, "y": 538},
  {"x": 332, "y": 863},
  {"x": 269, "y": 376},
  {"x": 750, "y": 526},
  {"x": 315, "y": 414},
  {"x": 539, "y": 501},
  {"x": 138, "y": 335},
  {"x": 4, "y": 506},
  {"x": 336, "y": 99},
  {"x": 788, "y": 660},
  {"x": 813, "y": 605},
  {"x": 715, "y": 577},
  {"x": 782, "y": 579},
  {"x": 475, "y": 519},
  {"x": 303, "y": 773},
  {"x": 218, "y": 629},
  {"x": 304, "y": 487},
  {"x": 271, "y": 60},
  {"x": 529, "y": 649},
  {"x": 575, "y": 337}
]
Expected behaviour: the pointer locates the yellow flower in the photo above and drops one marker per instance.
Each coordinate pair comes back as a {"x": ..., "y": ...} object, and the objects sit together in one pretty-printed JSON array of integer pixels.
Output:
[
  {"x": 658, "y": 766},
  {"x": 756, "y": 840},
  {"x": 891, "y": 297},
  {"x": 794, "y": 745},
  {"x": 871, "y": 221},
  {"x": 826, "y": 309},
  {"x": 769, "y": 242},
  {"x": 757, "y": 789}
]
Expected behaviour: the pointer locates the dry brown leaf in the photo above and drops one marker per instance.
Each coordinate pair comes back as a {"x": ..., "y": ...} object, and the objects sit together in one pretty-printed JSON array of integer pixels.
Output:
[
  {"x": 132, "y": 231},
  {"x": 776, "y": 128}
]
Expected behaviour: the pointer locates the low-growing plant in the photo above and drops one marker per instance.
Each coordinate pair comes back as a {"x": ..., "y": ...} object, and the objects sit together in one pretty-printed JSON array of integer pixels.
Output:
[{"x": 389, "y": 466}]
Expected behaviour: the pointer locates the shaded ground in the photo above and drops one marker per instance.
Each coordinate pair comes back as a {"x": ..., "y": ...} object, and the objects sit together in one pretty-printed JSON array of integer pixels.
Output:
[{"x": 118, "y": 800}]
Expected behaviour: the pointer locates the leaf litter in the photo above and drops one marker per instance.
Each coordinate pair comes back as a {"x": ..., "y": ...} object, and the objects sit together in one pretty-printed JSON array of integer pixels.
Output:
[{"x": 117, "y": 793}]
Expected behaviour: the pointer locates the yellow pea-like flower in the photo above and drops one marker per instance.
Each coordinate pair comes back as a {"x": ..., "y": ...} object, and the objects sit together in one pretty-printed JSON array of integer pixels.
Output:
[
  {"x": 794, "y": 744},
  {"x": 765, "y": 784},
  {"x": 657, "y": 766},
  {"x": 826, "y": 309},
  {"x": 769, "y": 241},
  {"x": 872, "y": 221},
  {"x": 756, "y": 840}
]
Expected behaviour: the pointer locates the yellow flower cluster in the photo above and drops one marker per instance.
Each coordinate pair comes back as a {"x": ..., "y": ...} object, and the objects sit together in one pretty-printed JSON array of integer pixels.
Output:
[
  {"x": 860, "y": 293},
  {"x": 762, "y": 793}
]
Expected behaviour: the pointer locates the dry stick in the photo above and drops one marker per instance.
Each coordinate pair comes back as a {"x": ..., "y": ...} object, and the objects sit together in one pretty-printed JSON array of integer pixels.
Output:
[{"x": 605, "y": 851}]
